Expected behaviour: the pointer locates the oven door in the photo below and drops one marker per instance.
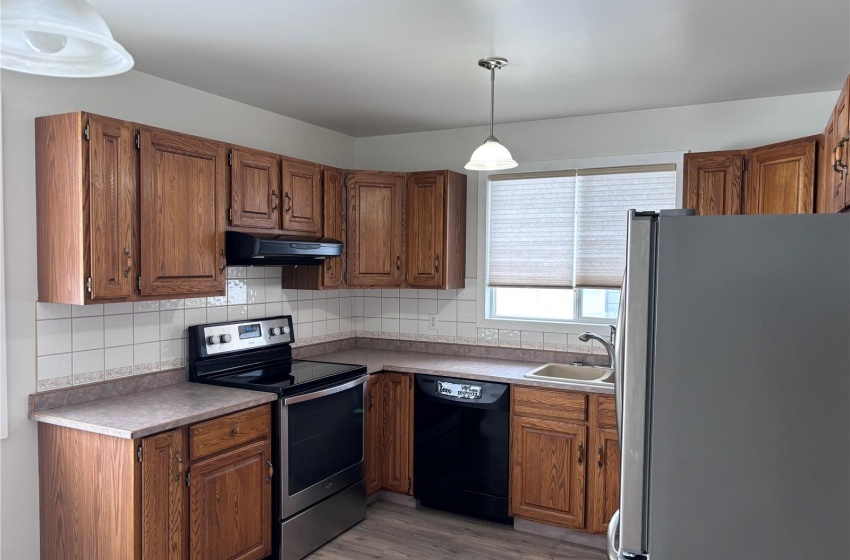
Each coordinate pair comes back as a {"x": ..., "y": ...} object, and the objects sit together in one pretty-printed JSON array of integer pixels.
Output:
[{"x": 321, "y": 447}]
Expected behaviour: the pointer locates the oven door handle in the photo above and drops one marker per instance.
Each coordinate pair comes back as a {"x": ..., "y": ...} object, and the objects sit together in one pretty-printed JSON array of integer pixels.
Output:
[{"x": 325, "y": 392}]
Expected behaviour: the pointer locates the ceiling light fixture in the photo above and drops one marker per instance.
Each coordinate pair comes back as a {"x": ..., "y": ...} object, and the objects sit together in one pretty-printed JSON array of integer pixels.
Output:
[
  {"x": 63, "y": 38},
  {"x": 491, "y": 155}
]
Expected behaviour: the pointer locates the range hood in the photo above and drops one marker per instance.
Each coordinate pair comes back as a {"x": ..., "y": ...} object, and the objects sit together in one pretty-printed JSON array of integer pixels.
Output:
[{"x": 280, "y": 250}]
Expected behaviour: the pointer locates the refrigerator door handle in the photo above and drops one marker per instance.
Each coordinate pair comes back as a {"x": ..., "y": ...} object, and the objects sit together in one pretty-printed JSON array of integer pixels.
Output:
[
  {"x": 613, "y": 527},
  {"x": 619, "y": 335}
]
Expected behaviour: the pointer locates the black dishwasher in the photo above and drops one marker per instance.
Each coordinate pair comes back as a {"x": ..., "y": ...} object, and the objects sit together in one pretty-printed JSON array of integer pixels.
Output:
[{"x": 461, "y": 445}]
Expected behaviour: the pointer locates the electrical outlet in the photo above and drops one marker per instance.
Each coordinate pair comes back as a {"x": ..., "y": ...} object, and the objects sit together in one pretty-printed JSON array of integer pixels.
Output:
[{"x": 432, "y": 321}]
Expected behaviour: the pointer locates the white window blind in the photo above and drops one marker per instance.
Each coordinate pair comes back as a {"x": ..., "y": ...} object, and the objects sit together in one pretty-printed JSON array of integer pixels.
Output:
[
  {"x": 568, "y": 229},
  {"x": 530, "y": 230}
]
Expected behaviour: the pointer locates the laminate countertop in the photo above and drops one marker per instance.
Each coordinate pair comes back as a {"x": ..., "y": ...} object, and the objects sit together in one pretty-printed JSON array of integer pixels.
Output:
[
  {"x": 151, "y": 411},
  {"x": 463, "y": 367}
]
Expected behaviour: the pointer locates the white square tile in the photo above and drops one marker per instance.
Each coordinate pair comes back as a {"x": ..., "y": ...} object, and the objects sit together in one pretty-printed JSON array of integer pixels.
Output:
[
  {"x": 255, "y": 272},
  {"x": 346, "y": 307},
  {"x": 467, "y": 330},
  {"x": 52, "y": 311},
  {"x": 274, "y": 309},
  {"x": 408, "y": 293},
  {"x": 426, "y": 307},
  {"x": 389, "y": 325},
  {"x": 273, "y": 290},
  {"x": 257, "y": 311},
  {"x": 470, "y": 291},
  {"x": 256, "y": 290},
  {"x": 319, "y": 294},
  {"x": 467, "y": 311},
  {"x": 447, "y": 310},
  {"x": 346, "y": 325},
  {"x": 332, "y": 307},
  {"x": 237, "y": 312},
  {"x": 145, "y": 327},
  {"x": 147, "y": 353},
  {"x": 305, "y": 294},
  {"x": 389, "y": 293},
  {"x": 532, "y": 340},
  {"x": 289, "y": 295},
  {"x": 320, "y": 328},
  {"x": 216, "y": 314},
  {"x": 172, "y": 324},
  {"x": 118, "y": 357},
  {"x": 237, "y": 291},
  {"x": 287, "y": 308},
  {"x": 272, "y": 272},
  {"x": 146, "y": 306},
  {"x": 332, "y": 326},
  {"x": 117, "y": 330},
  {"x": 304, "y": 311},
  {"x": 88, "y": 361},
  {"x": 320, "y": 312},
  {"x": 408, "y": 326},
  {"x": 216, "y": 301},
  {"x": 372, "y": 324},
  {"x": 237, "y": 272},
  {"x": 509, "y": 338},
  {"x": 195, "y": 303},
  {"x": 488, "y": 337},
  {"x": 576, "y": 345},
  {"x": 446, "y": 294},
  {"x": 359, "y": 306},
  {"x": 118, "y": 308},
  {"x": 359, "y": 324},
  {"x": 447, "y": 328},
  {"x": 171, "y": 304},
  {"x": 332, "y": 294},
  {"x": 427, "y": 294},
  {"x": 51, "y": 367},
  {"x": 389, "y": 308},
  {"x": 172, "y": 350},
  {"x": 303, "y": 331},
  {"x": 372, "y": 307},
  {"x": 86, "y": 310},
  {"x": 554, "y": 341},
  {"x": 408, "y": 308},
  {"x": 87, "y": 333},
  {"x": 54, "y": 337},
  {"x": 195, "y": 316}
]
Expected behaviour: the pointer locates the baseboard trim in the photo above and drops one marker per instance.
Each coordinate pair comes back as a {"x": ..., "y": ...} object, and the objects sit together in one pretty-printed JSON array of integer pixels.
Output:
[{"x": 560, "y": 533}]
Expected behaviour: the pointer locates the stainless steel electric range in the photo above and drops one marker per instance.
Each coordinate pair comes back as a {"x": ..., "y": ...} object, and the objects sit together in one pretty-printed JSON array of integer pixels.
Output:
[{"x": 318, "y": 425}]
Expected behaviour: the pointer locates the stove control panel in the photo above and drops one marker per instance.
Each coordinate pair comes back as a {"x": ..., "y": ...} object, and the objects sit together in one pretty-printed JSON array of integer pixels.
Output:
[{"x": 241, "y": 335}]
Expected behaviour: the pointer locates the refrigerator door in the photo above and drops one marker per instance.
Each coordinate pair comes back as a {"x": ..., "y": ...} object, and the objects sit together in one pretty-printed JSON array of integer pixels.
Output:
[{"x": 750, "y": 439}]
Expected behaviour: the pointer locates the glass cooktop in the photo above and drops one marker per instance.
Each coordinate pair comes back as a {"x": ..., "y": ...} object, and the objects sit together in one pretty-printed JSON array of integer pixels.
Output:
[{"x": 285, "y": 377}]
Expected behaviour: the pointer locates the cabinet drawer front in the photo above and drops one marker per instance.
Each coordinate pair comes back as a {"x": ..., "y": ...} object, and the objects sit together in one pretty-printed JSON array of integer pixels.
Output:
[
  {"x": 229, "y": 431},
  {"x": 550, "y": 403},
  {"x": 607, "y": 412}
]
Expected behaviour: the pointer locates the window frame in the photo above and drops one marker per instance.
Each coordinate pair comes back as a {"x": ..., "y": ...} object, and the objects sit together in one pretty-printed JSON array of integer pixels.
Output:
[{"x": 581, "y": 324}]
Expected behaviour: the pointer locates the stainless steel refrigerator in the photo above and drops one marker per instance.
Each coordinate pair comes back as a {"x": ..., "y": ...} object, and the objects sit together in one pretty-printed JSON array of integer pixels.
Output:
[{"x": 733, "y": 388}]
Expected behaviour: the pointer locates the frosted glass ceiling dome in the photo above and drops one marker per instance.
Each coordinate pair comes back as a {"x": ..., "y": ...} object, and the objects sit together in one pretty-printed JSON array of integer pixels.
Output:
[{"x": 63, "y": 38}]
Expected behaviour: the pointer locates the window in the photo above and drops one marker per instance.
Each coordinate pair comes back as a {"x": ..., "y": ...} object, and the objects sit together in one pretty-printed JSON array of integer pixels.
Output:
[{"x": 556, "y": 240}]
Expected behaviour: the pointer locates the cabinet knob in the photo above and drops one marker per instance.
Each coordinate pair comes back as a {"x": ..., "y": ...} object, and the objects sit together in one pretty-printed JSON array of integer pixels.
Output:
[
  {"x": 398, "y": 262},
  {"x": 234, "y": 431}
]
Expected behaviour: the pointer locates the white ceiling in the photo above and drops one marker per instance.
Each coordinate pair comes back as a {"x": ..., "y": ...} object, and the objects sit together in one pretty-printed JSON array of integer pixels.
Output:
[{"x": 372, "y": 67}]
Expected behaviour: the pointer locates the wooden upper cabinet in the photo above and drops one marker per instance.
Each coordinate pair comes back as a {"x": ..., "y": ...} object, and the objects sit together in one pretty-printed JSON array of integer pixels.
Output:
[
  {"x": 302, "y": 197},
  {"x": 254, "y": 189},
  {"x": 183, "y": 188},
  {"x": 841, "y": 129},
  {"x": 374, "y": 424},
  {"x": 397, "y": 448},
  {"x": 604, "y": 473},
  {"x": 87, "y": 207},
  {"x": 230, "y": 505},
  {"x": 375, "y": 250},
  {"x": 782, "y": 178},
  {"x": 823, "y": 192},
  {"x": 436, "y": 229},
  {"x": 334, "y": 220},
  {"x": 163, "y": 486},
  {"x": 548, "y": 471},
  {"x": 713, "y": 182}
]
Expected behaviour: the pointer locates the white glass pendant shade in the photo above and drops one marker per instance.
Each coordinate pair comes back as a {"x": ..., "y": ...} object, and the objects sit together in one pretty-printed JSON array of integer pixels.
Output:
[
  {"x": 490, "y": 156},
  {"x": 64, "y": 38}
]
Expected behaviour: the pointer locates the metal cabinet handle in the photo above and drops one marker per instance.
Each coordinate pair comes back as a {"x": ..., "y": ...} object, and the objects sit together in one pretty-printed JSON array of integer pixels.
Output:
[
  {"x": 178, "y": 476},
  {"x": 274, "y": 200},
  {"x": 129, "y": 262},
  {"x": 222, "y": 260},
  {"x": 329, "y": 265},
  {"x": 271, "y": 468},
  {"x": 234, "y": 431},
  {"x": 398, "y": 262},
  {"x": 838, "y": 165},
  {"x": 580, "y": 452},
  {"x": 599, "y": 456},
  {"x": 288, "y": 200},
  {"x": 437, "y": 263}
]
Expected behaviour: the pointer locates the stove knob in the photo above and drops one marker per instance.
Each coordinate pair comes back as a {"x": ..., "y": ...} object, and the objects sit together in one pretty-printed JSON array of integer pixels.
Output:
[
  {"x": 212, "y": 340},
  {"x": 273, "y": 331},
  {"x": 285, "y": 330},
  {"x": 225, "y": 338}
]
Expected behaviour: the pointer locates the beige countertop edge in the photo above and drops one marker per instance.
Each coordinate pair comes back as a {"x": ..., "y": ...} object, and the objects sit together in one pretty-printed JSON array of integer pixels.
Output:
[{"x": 55, "y": 416}]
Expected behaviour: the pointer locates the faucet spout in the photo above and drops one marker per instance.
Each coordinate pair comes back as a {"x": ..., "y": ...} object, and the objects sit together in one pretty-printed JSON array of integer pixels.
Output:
[{"x": 584, "y": 337}]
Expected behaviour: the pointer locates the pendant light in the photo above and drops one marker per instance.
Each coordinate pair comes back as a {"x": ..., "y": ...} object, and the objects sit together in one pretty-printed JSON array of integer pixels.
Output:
[
  {"x": 63, "y": 38},
  {"x": 491, "y": 155}
]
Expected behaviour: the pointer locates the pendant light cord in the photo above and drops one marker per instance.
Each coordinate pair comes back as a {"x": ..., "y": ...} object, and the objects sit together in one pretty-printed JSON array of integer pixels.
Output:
[{"x": 492, "y": 97}]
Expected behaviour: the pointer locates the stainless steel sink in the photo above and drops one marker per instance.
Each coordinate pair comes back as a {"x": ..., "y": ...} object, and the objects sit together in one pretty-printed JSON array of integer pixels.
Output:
[{"x": 567, "y": 373}]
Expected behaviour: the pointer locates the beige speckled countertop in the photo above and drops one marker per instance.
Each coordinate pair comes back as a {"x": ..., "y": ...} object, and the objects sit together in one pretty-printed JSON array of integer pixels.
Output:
[
  {"x": 480, "y": 369},
  {"x": 151, "y": 411}
]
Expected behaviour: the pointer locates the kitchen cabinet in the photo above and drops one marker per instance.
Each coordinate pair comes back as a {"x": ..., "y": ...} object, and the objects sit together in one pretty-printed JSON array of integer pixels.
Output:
[
  {"x": 840, "y": 131},
  {"x": 162, "y": 497},
  {"x": 375, "y": 250},
  {"x": 604, "y": 469},
  {"x": 183, "y": 188},
  {"x": 781, "y": 178},
  {"x": 713, "y": 182},
  {"x": 436, "y": 229},
  {"x": 329, "y": 275},
  {"x": 86, "y": 209},
  {"x": 374, "y": 424},
  {"x": 823, "y": 193},
  {"x": 254, "y": 189},
  {"x": 302, "y": 197}
]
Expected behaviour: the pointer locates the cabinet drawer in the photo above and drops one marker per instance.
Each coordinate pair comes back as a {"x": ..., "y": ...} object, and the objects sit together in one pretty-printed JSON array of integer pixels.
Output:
[
  {"x": 607, "y": 412},
  {"x": 550, "y": 403},
  {"x": 212, "y": 436}
]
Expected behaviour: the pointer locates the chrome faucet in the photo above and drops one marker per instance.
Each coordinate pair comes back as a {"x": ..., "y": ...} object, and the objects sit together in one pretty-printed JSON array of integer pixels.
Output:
[{"x": 609, "y": 345}]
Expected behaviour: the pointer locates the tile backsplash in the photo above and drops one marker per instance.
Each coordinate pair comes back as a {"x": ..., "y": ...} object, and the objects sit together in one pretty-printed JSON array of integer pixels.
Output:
[{"x": 85, "y": 344}]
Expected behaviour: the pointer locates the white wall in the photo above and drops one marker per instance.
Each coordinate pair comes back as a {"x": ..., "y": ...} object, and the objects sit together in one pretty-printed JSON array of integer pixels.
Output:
[{"x": 132, "y": 96}]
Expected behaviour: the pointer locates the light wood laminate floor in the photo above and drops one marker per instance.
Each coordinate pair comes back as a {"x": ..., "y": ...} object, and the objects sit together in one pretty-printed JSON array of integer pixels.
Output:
[{"x": 399, "y": 532}]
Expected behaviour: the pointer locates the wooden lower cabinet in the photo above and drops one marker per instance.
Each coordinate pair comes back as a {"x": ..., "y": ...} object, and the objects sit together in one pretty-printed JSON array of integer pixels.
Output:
[
  {"x": 389, "y": 433},
  {"x": 374, "y": 439},
  {"x": 603, "y": 499},
  {"x": 110, "y": 498}
]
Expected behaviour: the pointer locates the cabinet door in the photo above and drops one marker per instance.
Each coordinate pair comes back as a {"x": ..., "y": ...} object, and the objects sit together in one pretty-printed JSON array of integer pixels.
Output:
[
  {"x": 713, "y": 182},
  {"x": 374, "y": 439},
  {"x": 302, "y": 197},
  {"x": 230, "y": 505},
  {"x": 396, "y": 448},
  {"x": 375, "y": 251},
  {"x": 112, "y": 208},
  {"x": 839, "y": 130},
  {"x": 255, "y": 189},
  {"x": 334, "y": 220},
  {"x": 182, "y": 209},
  {"x": 548, "y": 469},
  {"x": 163, "y": 535},
  {"x": 604, "y": 498},
  {"x": 425, "y": 229},
  {"x": 823, "y": 195},
  {"x": 782, "y": 178}
]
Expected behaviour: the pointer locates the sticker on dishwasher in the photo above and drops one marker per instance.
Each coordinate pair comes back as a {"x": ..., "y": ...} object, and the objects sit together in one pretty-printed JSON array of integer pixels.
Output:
[{"x": 459, "y": 390}]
